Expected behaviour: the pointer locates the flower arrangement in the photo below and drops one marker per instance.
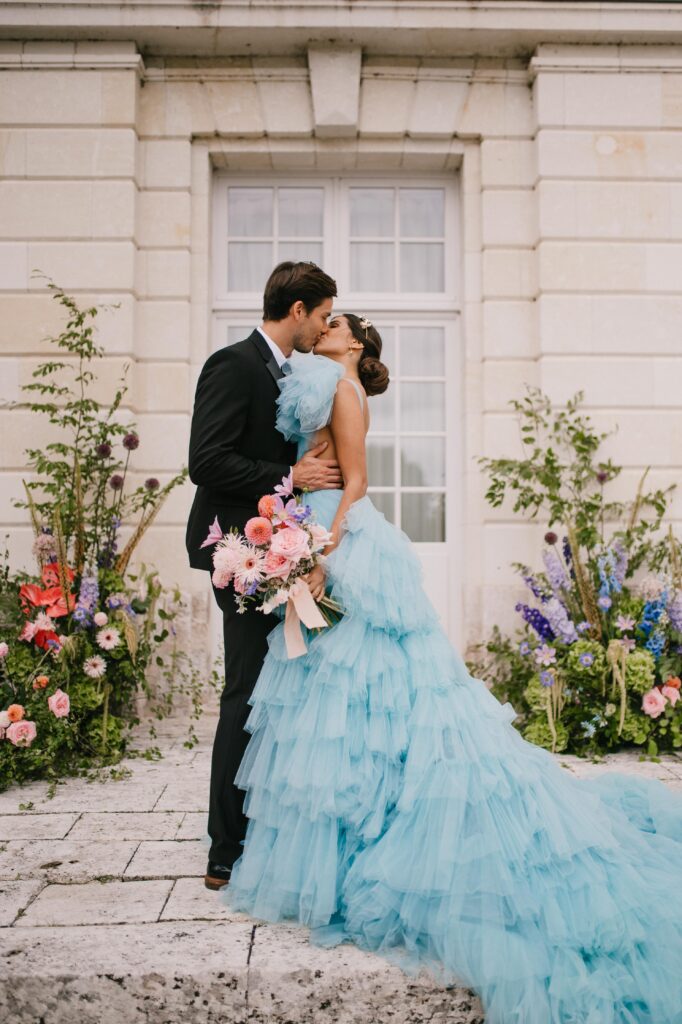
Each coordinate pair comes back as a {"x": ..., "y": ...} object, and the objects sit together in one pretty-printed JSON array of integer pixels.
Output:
[
  {"x": 266, "y": 564},
  {"x": 597, "y": 663},
  {"x": 79, "y": 636}
]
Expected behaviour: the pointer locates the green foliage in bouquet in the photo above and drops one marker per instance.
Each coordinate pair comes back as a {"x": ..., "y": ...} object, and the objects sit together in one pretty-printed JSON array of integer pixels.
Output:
[
  {"x": 597, "y": 665},
  {"x": 80, "y": 638}
]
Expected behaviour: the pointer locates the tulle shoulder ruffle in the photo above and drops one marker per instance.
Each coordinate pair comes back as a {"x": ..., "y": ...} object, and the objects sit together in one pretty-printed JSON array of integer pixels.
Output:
[{"x": 307, "y": 395}]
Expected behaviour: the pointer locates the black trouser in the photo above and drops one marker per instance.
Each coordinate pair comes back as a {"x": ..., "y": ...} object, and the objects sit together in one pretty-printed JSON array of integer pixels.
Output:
[{"x": 245, "y": 648}]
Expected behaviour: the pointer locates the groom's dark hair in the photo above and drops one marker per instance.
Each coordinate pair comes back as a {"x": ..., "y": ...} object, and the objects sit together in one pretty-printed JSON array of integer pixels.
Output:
[{"x": 290, "y": 282}]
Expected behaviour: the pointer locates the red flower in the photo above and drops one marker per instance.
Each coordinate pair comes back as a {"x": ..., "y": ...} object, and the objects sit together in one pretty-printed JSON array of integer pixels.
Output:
[{"x": 46, "y": 639}]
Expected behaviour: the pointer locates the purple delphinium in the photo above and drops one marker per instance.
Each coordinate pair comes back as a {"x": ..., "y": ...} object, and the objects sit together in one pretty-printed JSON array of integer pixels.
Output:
[
  {"x": 556, "y": 571},
  {"x": 536, "y": 620},
  {"x": 559, "y": 620},
  {"x": 88, "y": 596},
  {"x": 674, "y": 610}
]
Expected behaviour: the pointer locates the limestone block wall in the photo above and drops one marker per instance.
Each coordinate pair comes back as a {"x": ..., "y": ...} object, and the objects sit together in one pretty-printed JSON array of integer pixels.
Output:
[{"x": 571, "y": 248}]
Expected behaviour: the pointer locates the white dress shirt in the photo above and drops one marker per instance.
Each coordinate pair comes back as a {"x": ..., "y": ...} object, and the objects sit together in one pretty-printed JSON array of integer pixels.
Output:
[{"x": 275, "y": 349}]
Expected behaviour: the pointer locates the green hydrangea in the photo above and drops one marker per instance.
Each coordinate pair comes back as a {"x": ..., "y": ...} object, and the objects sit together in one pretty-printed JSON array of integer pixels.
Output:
[
  {"x": 576, "y": 668},
  {"x": 636, "y": 727},
  {"x": 640, "y": 671},
  {"x": 539, "y": 733},
  {"x": 536, "y": 694}
]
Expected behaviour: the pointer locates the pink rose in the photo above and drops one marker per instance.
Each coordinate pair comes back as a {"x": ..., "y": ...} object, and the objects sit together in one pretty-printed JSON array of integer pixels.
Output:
[
  {"x": 291, "y": 543},
  {"x": 672, "y": 693},
  {"x": 100, "y": 618},
  {"x": 4, "y": 650},
  {"x": 275, "y": 565},
  {"x": 258, "y": 530},
  {"x": 21, "y": 734},
  {"x": 653, "y": 703},
  {"x": 59, "y": 704},
  {"x": 321, "y": 537}
]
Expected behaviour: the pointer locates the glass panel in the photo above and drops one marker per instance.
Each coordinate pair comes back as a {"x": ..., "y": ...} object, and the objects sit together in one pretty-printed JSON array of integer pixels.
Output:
[
  {"x": 249, "y": 212},
  {"x": 422, "y": 352},
  {"x": 380, "y": 461},
  {"x": 248, "y": 265},
  {"x": 385, "y": 503},
  {"x": 237, "y": 332},
  {"x": 422, "y": 407},
  {"x": 422, "y": 461},
  {"x": 301, "y": 212},
  {"x": 388, "y": 354},
  {"x": 422, "y": 212},
  {"x": 310, "y": 252},
  {"x": 371, "y": 267},
  {"x": 423, "y": 516},
  {"x": 372, "y": 212},
  {"x": 382, "y": 411},
  {"x": 421, "y": 267}
]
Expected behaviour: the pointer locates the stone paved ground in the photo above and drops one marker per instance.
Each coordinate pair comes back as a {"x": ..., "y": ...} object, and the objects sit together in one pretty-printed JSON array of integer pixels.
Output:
[{"x": 104, "y": 917}]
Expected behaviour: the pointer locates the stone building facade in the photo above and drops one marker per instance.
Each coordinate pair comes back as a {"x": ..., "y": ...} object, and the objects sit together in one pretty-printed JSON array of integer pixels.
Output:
[{"x": 139, "y": 142}]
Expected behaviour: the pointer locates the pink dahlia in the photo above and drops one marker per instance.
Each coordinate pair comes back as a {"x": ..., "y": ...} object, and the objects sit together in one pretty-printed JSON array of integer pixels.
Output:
[{"x": 258, "y": 530}]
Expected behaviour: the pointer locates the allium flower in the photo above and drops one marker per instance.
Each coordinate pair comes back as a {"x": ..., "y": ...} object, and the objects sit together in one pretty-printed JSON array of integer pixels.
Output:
[
  {"x": 672, "y": 694},
  {"x": 602, "y": 476},
  {"x": 152, "y": 484},
  {"x": 108, "y": 638},
  {"x": 653, "y": 703},
  {"x": 21, "y": 734},
  {"x": 551, "y": 537},
  {"x": 4, "y": 649},
  {"x": 545, "y": 655},
  {"x": 131, "y": 441},
  {"x": 524, "y": 648},
  {"x": 103, "y": 450},
  {"x": 100, "y": 618},
  {"x": 116, "y": 482},
  {"x": 44, "y": 546},
  {"x": 625, "y": 623},
  {"x": 586, "y": 659},
  {"x": 95, "y": 667},
  {"x": 59, "y": 704},
  {"x": 547, "y": 678},
  {"x": 604, "y": 602}
]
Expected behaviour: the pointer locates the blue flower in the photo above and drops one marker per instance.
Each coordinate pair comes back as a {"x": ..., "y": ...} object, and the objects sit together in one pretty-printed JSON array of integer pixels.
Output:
[
  {"x": 547, "y": 678},
  {"x": 524, "y": 648},
  {"x": 583, "y": 626},
  {"x": 537, "y": 620},
  {"x": 588, "y": 728},
  {"x": 586, "y": 659},
  {"x": 604, "y": 602}
]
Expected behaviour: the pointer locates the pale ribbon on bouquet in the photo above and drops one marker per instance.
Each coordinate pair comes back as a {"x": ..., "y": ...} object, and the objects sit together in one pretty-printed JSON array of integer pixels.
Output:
[{"x": 301, "y": 608}]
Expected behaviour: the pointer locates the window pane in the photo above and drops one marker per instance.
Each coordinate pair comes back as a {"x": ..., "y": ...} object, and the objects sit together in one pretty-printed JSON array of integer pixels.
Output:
[
  {"x": 372, "y": 212},
  {"x": 310, "y": 252},
  {"x": 382, "y": 411},
  {"x": 421, "y": 267},
  {"x": 380, "y": 461},
  {"x": 371, "y": 267},
  {"x": 385, "y": 503},
  {"x": 423, "y": 516},
  {"x": 388, "y": 353},
  {"x": 422, "y": 352},
  {"x": 301, "y": 212},
  {"x": 422, "y": 407},
  {"x": 422, "y": 212},
  {"x": 249, "y": 212},
  {"x": 248, "y": 265},
  {"x": 422, "y": 461}
]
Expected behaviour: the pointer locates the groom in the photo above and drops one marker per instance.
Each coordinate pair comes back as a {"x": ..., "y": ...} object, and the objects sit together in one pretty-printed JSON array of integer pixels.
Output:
[{"x": 235, "y": 456}]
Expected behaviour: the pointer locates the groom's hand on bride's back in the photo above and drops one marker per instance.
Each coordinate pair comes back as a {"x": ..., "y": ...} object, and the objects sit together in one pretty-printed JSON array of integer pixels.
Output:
[{"x": 315, "y": 473}]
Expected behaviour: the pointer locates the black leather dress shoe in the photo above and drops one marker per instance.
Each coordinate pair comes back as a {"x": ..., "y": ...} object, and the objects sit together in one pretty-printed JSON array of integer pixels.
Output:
[{"x": 217, "y": 875}]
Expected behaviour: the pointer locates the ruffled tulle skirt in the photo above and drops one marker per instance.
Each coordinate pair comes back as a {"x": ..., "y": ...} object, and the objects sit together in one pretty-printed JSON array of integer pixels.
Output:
[{"x": 393, "y": 804}]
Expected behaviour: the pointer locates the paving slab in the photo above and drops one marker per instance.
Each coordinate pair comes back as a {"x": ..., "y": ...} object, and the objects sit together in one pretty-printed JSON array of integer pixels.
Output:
[
  {"x": 64, "y": 860},
  {"x": 97, "y": 903},
  {"x": 15, "y": 897},
  {"x": 36, "y": 826},
  {"x": 184, "y": 796},
  {"x": 194, "y": 825},
  {"x": 168, "y": 859},
  {"x": 190, "y": 900},
  {"x": 126, "y": 825}
]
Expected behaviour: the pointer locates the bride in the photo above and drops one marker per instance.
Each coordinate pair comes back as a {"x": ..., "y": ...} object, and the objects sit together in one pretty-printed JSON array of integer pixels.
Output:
[{"x": 393, "y": 804}]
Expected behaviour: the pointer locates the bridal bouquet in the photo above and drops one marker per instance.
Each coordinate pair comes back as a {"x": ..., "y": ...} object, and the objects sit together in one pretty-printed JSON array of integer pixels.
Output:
[{"x": 268, "y": 562}]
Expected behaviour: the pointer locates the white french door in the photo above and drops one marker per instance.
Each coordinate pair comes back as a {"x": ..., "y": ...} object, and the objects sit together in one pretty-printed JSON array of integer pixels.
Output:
[{"x": 393, "y": 247}]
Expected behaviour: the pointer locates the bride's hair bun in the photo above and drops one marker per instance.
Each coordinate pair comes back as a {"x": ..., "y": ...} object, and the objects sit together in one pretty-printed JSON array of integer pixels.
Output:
[
  {"x": 372, "y": 372},
  {"x": 373, "y": 375}
]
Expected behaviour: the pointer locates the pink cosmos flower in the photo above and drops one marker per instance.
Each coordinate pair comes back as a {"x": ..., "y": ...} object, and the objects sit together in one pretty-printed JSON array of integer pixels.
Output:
[
  {"x": 100, "y": 618},
  {"x": 4, "y": 649},
  {"x": 21, "y": 734},
  {"x": 276, "y": 566},
  {"x": 653, "y": 703},
  {"x": 258, "y": 530},
  {"x": 59, "y": 704},
  {"x": 291, "y": 543},
  {"x": 672, "y": 693}
]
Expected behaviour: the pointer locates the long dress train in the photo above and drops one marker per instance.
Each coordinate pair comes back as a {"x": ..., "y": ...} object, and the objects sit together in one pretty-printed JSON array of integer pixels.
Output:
[{"x": 393, "y": 804}]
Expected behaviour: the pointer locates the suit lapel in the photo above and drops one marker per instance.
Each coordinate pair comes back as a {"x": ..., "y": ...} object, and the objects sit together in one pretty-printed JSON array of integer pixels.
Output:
[{"x": 263, "y": 348}]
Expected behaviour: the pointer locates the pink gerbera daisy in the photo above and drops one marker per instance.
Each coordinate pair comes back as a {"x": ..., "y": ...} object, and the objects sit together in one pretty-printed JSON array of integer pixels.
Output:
[{"x": 108, "y": 638}]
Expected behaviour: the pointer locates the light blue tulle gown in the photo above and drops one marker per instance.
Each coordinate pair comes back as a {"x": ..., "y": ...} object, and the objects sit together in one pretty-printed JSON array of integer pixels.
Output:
[{"x": 393, "y": 804}]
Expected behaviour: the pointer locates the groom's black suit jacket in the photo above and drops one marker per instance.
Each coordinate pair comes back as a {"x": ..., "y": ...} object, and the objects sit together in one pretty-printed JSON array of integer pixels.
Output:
[{"x": 235, "y": 452}]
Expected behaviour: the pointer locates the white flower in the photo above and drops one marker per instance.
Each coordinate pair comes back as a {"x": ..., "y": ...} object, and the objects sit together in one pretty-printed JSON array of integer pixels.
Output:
[
  {"x": 250, "y": 567},
  {"x": 100, "y": 618},
  {"x": 108, "y": 638},
  {"x": 95, "y": 667},
  {"x": 43, "y": 621},
  {"x": 4, "y": 719},
  {"x": 279, "y": 597}
]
